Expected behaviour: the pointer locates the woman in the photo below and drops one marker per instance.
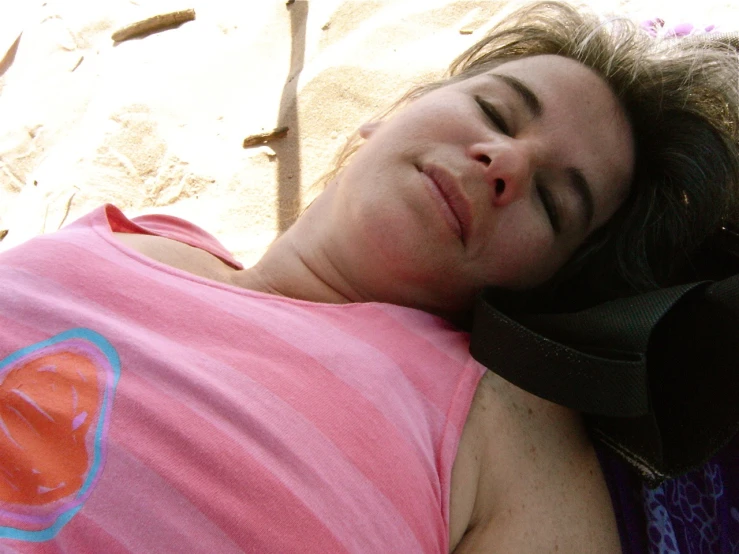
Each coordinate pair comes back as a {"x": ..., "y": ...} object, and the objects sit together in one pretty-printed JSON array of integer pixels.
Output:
[{"x": 158, "y": 397}]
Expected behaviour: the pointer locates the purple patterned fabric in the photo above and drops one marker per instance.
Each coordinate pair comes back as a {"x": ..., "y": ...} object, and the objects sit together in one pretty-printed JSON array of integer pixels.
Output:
[
  {"x": 656, "y": 27},
  {"x": 697, "y": 513}
]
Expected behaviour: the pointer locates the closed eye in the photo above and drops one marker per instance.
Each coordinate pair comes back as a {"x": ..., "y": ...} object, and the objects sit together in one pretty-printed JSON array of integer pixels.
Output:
[
  {"x": 550, "y": 206},
  {"x": 492, "y": 113}
]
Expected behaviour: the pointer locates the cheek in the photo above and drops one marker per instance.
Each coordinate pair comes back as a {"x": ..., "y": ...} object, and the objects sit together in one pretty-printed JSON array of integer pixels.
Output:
[
  {"x": 450, "y": 118},
  {"x": 522, "y": 268},
  {"x": 523, "y": 256}
]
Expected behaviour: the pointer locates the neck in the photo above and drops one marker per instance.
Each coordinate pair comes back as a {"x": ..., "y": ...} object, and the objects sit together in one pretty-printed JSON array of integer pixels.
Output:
[{"x": 298, "y": 268}]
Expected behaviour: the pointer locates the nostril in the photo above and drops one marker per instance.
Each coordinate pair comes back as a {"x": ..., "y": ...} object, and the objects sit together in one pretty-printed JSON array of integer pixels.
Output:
[
  {"x": 499, "y": 186},
  {"x": 484, "y": 159}
]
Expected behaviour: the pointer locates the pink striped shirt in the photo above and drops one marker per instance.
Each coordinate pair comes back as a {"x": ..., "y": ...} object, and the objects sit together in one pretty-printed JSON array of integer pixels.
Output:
[{"x": 146, "y": 409}]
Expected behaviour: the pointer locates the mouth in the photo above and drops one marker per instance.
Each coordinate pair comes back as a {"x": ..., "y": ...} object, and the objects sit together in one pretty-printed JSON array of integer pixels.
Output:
[{"x": 458, "y": 212}]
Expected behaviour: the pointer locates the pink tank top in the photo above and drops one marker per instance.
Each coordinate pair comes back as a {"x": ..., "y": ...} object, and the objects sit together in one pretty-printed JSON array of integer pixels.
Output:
[{"x": 145, "y": 409}]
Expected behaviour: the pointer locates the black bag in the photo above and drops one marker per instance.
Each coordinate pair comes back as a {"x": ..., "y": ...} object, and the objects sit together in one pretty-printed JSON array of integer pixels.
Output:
[{"x": 656, "y": 375}]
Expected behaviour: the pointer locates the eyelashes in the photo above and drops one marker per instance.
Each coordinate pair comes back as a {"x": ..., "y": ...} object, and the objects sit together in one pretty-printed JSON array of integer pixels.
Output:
[
  {"x": 547, "y": 200},
  {"x": 550, "y": 207},
  {"x": 492, "y": 113}
]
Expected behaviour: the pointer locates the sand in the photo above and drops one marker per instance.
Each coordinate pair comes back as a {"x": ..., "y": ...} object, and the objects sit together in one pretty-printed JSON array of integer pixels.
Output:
[{"x": 156, "y": 124}]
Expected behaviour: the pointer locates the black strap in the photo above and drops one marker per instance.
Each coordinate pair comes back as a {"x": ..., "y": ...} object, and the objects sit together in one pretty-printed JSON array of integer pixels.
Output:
[
  {"x": 593, "y": 361},
  {"x": 657, "y": 375}
]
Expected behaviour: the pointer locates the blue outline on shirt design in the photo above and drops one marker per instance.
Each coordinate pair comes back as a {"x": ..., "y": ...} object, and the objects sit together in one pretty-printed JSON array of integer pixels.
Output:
[{"x": 106, "y": 360}]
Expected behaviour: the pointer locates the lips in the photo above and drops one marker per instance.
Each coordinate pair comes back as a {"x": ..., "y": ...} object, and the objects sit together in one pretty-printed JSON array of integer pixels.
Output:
[{"x": 451, "y": 193}]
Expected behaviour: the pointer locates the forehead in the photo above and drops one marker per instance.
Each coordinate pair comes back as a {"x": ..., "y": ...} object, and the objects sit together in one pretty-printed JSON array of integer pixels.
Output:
[
  {"x": 581, "y": 123},
  {"x": 551, "y": 73}
]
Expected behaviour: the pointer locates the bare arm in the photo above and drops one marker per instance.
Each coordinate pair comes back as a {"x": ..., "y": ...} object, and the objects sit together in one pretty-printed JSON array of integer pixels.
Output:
[{"x": 539, "y": 484}]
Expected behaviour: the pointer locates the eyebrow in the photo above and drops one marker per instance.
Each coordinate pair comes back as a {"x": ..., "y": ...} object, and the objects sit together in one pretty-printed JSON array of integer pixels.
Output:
[
  {"x": 577, "y": 181},
  {"x": 529, "y": 98}
]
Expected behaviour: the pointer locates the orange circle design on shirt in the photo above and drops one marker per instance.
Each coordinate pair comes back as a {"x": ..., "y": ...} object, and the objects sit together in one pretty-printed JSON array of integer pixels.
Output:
[{"x": 47, "y": 407}]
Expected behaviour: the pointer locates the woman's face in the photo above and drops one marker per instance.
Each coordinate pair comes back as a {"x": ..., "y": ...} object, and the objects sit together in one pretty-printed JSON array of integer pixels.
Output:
[{"x": 494, "y": 180}]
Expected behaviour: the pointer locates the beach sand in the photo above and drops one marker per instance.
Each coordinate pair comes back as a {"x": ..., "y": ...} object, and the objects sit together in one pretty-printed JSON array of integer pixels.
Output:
[{"x": 156, "y": 124}]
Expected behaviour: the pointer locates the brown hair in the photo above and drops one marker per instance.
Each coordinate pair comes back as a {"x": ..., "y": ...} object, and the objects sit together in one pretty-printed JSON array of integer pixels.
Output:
[{"x": 681, "y": 98}]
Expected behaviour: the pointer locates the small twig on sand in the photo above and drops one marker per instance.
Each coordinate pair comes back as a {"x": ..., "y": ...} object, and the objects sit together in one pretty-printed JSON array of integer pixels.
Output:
[
  {"x": 3, "y": 233},
  {"x": 152, "y": 24},
  {"x": 78, "y": 63},
  {"x": 66, "y": 210},
  {"x": 264, "y": 138}
]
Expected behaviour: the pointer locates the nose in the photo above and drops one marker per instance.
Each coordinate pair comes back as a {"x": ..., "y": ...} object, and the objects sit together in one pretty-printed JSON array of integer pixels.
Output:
[{"x": 507, "y": 166}]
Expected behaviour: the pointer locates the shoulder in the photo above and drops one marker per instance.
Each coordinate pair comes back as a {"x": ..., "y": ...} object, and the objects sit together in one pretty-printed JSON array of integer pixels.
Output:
[
  {"x": 178, "y": 255},
  {"x": 527, "y": 479}
]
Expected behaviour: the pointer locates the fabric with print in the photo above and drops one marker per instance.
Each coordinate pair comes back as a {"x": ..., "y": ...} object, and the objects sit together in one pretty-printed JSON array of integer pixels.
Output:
[{"x": 696, "y": 513}]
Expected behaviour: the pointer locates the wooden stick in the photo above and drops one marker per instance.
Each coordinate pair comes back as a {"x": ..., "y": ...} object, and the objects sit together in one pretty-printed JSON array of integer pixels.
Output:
[
  {"x": 152, "y": 24},
  {"x": 66, "y": 211},
  {"x": 78, "y": 63},
  {"x": 3, "y": 234},
  {"x": 264, "y": 138}
]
